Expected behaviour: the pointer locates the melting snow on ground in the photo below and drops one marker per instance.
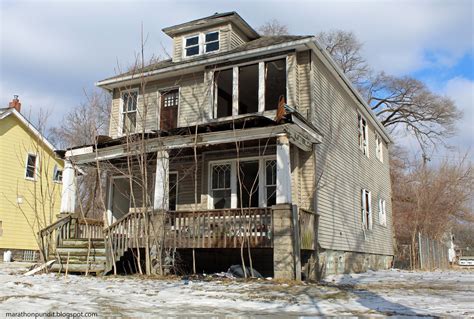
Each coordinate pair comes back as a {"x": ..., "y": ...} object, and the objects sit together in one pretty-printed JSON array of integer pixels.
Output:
[{"x": 381, "y": 293}]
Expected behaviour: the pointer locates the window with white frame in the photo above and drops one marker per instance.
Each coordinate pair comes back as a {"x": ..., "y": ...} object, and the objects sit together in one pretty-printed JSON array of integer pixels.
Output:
[
  {"x": 378, "y": 148},
  {"x": 191, "y": 45},
  {"x": 363, "y": 134},
  {"x": 270, "y": 182},
  {"x": 57, "y": 174},
  {"x": 382, "y": 212},
  {"x": 366, "y": 209},
  {"x": 31, "y": 166},
  {"x": 221, "y": 185},
  {"x": 129, "y": 111},
  {"x": 211, "y": 41}
]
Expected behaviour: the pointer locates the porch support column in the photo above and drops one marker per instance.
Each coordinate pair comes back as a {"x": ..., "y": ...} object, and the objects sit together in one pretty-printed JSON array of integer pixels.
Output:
[
  {"x": 284, "y": 252},
  {"x": 161, "y": 181},
  {"x": 68, "y": 194},
  {"x": 283, "y": 182}
]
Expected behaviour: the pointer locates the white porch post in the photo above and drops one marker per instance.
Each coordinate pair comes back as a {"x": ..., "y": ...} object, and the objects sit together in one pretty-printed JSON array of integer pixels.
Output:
[
  {"x": 68, "y": 194},
  {"x": 160, "y": 201},
  {"x": 283, "y": 182}
]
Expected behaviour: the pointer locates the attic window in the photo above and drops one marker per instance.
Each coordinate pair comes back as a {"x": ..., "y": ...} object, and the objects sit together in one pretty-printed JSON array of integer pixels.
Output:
[
  {"x": 211, "y": 41},
  {"x": 192, "y": 45}
]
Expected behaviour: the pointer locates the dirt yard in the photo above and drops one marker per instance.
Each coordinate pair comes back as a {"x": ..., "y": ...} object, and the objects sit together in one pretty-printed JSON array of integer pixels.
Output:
[{"x": 394, "y": 292}]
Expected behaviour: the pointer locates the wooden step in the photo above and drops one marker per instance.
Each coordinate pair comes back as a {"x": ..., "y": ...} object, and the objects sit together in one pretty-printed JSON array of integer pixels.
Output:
[
  {"x": 82, "y": 259},
  {"x": 63, "y": 251},
  {"x": 83, "y": 267},
  {"x": 82, "y": 243}
]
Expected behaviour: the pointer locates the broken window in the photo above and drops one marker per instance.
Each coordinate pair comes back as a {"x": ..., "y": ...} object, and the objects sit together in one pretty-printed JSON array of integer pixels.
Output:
[
  {"x": 382, "y": 212},
  {"x": 211, "y": 41},
  {"x": 220, "y": 186},
  {"x": 363, "y": 136},
  {"x": 223, "y": 89},
  {"x": 275, "y": 83},
  {"x": 270, "y": 182},
  {"x": 248, "y": 89},
  {"x": 366, "y": 209},
  {"x": 129, "y": 111},
  {"x": 31, "y": 166},
  {"x": 57, "y": 174}
]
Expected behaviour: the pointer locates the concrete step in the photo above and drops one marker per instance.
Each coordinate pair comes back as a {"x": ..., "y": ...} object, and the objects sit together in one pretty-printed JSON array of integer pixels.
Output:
[{"x": 82, "y": 243}]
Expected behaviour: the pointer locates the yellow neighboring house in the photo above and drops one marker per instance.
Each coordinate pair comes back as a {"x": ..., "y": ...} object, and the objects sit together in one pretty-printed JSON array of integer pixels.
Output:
[{"x": 30, "y": 183}]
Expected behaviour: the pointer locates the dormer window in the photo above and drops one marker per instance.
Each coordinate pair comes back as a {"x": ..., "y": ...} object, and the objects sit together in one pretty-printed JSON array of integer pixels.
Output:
[
  {"x": 192, "y": 45},
  {"x": 201, "y": 43},
  {"x": 211, "y": 41}
]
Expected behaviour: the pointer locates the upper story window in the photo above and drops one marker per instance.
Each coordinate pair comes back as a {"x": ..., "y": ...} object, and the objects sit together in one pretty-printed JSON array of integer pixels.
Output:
[
  {"x": 366, "y": 209},
  {"x": 129, "y": 111},
  {"x": 192, "y": 45},
  {"x": 57, "y": 174},
  {"x": 201, "y": 43},
  {"x": 363, "y": 135},
  {"x": 378, "y": 148},
  {"x": 31, "y": 166},
  {"x": 211, "y": 41},
  {"x": 253, "y": 88}
]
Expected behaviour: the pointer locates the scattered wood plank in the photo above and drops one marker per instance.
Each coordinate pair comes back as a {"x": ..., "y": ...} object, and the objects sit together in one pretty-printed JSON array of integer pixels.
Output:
[{"x": 39, "y": 268}]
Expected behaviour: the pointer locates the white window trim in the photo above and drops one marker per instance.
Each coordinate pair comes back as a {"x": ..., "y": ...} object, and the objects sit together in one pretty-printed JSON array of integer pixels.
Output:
[
  {"x": 366, "y": 225},
  {"x": 378, "y": 148},
  {"x": 233, "y": 179},
  {"x": 218, "y": 41},
  {"x": 35, "y": 175},
  {"x": 55, "y": 169},
  {"x": 201, "y": 43},
  {"x": 383, "y": 212},
  {"x": 110, "y": 217},
  {"x": 364, "y": 130},
  {"x": 121, "y": 113},
  {"x": 235, "y": 87}
]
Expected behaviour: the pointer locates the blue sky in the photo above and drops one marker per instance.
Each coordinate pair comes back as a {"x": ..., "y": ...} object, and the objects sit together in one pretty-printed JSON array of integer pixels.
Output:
[{"x": 51, "y": 51}]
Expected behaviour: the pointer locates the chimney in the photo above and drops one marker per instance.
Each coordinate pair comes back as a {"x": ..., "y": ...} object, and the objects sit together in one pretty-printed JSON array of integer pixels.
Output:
[{"x": 15, "y": 103}]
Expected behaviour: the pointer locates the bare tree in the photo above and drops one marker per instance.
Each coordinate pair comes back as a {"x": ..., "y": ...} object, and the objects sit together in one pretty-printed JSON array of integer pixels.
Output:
[
  {"x": 273, "y": 27},
  {"x": 345, "y": 49}
]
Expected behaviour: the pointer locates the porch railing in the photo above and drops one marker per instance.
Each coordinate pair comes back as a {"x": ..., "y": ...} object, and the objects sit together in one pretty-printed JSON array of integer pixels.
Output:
[
  {"x": 69, "y": 227},
  {"x": 226, "y": 228}
]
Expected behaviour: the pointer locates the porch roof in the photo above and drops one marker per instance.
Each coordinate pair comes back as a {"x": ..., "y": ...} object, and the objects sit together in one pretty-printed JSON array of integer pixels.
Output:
[{"x": 243, "y": 128}]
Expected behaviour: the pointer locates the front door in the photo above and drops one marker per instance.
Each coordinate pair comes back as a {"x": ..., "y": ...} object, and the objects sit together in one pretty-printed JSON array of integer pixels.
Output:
[
  {"x": 119, "y": 200},
  {"x": 169, "y": 109}
]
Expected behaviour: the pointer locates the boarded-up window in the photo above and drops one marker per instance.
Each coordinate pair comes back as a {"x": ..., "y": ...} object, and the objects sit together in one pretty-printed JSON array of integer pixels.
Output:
[
  {"x": 275, "y": 83},
  {"x": 223, "y": 93},
  {"x": 366, "y": 209},
  {"x": 248, "y": 89}
]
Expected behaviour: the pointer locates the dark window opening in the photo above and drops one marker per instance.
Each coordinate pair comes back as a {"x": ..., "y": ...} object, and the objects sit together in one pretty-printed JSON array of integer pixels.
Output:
[
  {"x": 247, "y": 186},
  {"x": 248, "y": 89},
  {"x": 173, "y": 190},
  {"x": 223, "y": 80},
  {"x": 212, "y": 41},
  {"x": 31, "y": 166},
  {"x": 192, "y": 46},
  {"x": 275, "y": 83}
]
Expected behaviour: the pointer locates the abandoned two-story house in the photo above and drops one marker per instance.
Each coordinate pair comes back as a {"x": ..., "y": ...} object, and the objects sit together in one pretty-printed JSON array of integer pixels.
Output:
[{"x": 240, "y": 146}]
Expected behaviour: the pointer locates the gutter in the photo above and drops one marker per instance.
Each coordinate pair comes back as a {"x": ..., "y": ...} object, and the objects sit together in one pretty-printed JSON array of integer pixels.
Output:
[{"x": 215, "y": 60}]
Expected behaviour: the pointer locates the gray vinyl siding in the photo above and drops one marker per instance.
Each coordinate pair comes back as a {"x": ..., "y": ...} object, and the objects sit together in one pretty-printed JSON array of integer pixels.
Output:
[
  {"x": 194, "y": 102},
  {"x": 343, "y": 170}
]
